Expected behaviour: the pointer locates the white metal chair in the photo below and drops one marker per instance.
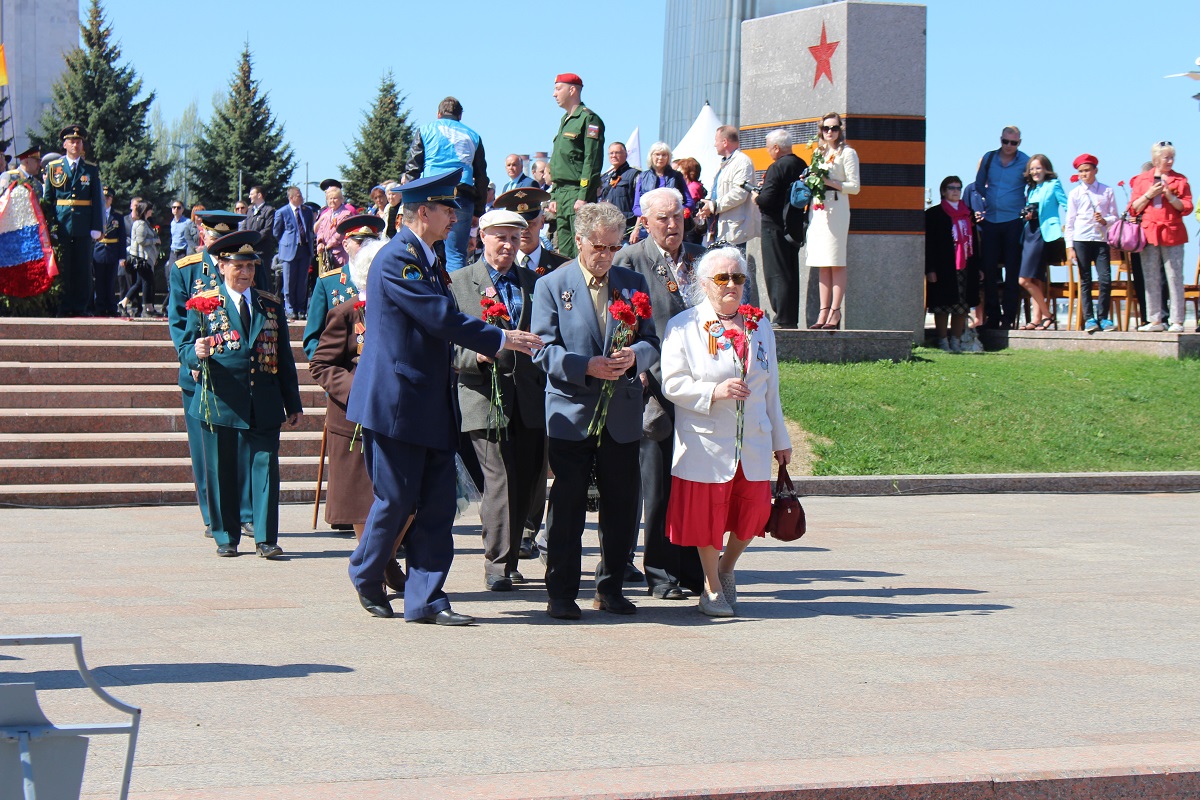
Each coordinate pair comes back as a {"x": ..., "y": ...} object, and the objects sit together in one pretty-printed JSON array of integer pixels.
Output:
[{"x": 51, "y": 757}]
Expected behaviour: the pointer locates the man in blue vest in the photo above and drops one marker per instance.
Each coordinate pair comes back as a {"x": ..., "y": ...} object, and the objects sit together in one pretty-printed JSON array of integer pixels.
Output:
[
  {"x": 404, "y": 397},
  {"x": 73, "y": 188},
  {"x": 444, "y": 145}
]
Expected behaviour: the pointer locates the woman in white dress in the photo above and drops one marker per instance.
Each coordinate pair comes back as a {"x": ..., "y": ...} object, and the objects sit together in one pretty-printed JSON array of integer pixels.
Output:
[{"x": 829, "y": 226}]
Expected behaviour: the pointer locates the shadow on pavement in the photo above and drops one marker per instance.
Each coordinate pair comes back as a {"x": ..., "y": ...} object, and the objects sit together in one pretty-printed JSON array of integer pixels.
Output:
[{"x": 141, "y": 674}]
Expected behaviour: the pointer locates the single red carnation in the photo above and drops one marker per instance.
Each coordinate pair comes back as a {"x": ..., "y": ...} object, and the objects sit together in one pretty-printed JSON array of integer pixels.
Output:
[
  {"x": 621, "y": 312},
  {"x": 360, "y": 303},
  {"x": 202, "y": 304},
  {"x": 641, "y": 304}
]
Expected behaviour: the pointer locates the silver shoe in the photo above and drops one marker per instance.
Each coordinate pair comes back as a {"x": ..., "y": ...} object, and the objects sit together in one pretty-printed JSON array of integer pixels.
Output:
[
  {"x": 714, "y": 605},
  {"x": 729, "y": 589}
]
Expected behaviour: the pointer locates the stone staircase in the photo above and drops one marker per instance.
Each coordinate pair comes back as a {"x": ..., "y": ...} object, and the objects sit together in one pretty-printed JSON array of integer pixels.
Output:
[{"x": 90, "y": 415}]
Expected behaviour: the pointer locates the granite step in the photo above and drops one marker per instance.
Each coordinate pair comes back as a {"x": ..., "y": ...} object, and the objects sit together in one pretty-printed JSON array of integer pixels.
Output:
[
  {"x": 116, "y": 421},
  {"x": 108, "y": 396},
  {"x": 119, "y": 373},
  {"x": 100, "y": 328},
  {"x": 125, "y": 445},
  {"x": 76, "y": 471},
  {"x": 35, "y": 351},
  {"x": 101, "y": 495}
]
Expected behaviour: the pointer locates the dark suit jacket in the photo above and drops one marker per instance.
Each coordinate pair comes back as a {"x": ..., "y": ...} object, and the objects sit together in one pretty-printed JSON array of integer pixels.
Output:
[
  {"x": 264, "y": 222},
  {"x": 774, "y": 199},
  {"x": 404, "y": 387},
  {"x": 548, "y": 260},
  {"x": 287, "y": 234},
  {"x": 563, "y": 316},
  {"x": 333, "y": 363},
  {"x": 521, "y": 382},
  {"x": 645, "y": 259}
]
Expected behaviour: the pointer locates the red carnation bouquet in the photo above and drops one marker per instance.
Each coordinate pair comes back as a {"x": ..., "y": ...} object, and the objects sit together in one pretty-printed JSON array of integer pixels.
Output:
[
  {"x": 203, "y": 305},
  {"x": 495, "y": 313},
  {"x": 626, "y": 315}
]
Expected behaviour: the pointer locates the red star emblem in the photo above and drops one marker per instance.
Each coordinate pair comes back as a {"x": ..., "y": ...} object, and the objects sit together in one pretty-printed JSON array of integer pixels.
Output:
[{"x": 823, "y": 53}]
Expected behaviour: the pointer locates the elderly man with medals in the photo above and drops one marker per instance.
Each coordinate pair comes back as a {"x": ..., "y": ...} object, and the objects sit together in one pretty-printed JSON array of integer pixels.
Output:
[
  {"x": 404, "y": 398},
  {"x": 247, "y": 388},
  {"x": 335, "y": 283}
]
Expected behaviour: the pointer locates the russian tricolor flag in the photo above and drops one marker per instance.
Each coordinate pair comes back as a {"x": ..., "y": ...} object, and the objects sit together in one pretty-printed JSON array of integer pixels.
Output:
[{"x": 26, "y": 259}]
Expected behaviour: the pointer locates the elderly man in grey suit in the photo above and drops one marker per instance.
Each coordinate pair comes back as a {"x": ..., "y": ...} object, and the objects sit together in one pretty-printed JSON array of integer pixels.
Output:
[
  {"x": 665, "y": 261},
  {"x": 571, "y": 315},
  {"x": 510, "y": 446}
]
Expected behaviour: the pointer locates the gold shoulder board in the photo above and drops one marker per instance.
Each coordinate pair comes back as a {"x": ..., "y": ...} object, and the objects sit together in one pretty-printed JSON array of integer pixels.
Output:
[{"x": 187, "y": 261}]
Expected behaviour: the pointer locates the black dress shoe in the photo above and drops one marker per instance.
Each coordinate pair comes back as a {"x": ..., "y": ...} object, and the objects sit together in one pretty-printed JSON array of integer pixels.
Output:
[
  {"x": 563, "y": 609},
  {"x": 527, "y": 550},
  {"x": 497, "y": 583},
  {"x": 268, "y": 550},
  {"x": 447, "y": 617},
  {"x": 632, "y": 575},
  {"x": 393, "y": 577},
  {"x": 248, "y": 529},
  {"x": 614, "y": 604},
  {"x": 208, "y": 532},
  {"x": 377, "y": 606},
  {"x": 227, "y": 550},
  {"x": 515, "y": 576},
  {"x": 668, "y": 591}
]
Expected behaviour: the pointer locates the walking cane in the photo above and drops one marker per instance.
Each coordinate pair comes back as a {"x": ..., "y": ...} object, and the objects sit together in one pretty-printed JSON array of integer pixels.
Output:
[{"x": 320, "y": 474}]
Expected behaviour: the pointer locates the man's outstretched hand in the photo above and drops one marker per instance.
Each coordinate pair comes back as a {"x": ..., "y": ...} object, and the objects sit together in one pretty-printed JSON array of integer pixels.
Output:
[{"x": 522, "y": 341}]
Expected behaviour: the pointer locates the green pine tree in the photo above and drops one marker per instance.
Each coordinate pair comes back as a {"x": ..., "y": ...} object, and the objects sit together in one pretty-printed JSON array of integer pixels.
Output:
[
  {"x": 381, "y": 147},
  {"x": 102, "y": 95},
  {"x": 242, "y": 135}
]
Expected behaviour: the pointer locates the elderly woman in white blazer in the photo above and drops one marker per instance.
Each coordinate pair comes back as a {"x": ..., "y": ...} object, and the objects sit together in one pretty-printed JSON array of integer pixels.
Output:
[{"x": 719, "y": 487}]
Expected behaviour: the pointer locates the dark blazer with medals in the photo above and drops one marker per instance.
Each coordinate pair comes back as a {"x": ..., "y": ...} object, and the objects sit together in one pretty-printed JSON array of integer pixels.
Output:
[
  {"x": 547, "y": 262},
  {"x": 76, "y": 196},
  {"x": 332, "y": 288},
  {"x": 520, "y": 379}
]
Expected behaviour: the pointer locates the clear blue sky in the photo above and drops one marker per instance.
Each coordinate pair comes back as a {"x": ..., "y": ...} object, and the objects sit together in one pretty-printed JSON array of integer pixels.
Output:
[{"x": 1074, "y": 76}]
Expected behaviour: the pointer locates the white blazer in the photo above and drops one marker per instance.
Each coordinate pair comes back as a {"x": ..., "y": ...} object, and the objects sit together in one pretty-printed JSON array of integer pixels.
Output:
[{"x": 706, "y": 430}]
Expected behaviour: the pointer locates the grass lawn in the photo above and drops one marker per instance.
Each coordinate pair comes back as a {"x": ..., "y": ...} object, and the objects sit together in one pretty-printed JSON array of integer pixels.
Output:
[{"x": 1012, "y": 411}]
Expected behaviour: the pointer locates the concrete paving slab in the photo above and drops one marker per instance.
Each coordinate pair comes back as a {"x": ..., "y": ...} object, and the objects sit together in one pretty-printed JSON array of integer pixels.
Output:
[{"x": 952, "y": 644}]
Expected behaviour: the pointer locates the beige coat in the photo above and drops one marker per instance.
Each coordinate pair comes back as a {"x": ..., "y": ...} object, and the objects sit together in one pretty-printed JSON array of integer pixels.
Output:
[{"x": 738, "y": 219}]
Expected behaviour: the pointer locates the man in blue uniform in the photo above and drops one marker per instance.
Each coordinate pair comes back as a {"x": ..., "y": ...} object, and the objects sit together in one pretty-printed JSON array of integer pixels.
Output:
[
  {"x": 193, "y": 275},
  {"x": 334, "y": 285},
  {"x": 73, "y": 188},
  {"x": 242, "y": 345},
  {"x": 106, "y": 257},
  {"x": 404, "y": 398}
]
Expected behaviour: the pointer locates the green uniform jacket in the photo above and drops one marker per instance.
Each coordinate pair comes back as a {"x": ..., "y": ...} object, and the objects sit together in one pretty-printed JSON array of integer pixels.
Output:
[
  {"x": 578, "y": 156},
  {"x": 76, "y": 196},
  {"x": 333, "y": 287},
  {"x": 252, "y": 376},
  {"x": 192, "y": 274}
]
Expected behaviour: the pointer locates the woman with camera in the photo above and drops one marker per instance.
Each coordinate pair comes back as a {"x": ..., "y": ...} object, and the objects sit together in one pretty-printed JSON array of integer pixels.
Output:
[
  {"x": 143, "y": 255},
  {"x": 1162, "y": 197},
  {"x": 1045, "y": 209}
]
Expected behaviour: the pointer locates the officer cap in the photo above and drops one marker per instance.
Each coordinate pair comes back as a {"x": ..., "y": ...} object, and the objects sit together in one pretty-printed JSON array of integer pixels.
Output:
[
  {"x": 325, "y": 184},
  {"x": 220, "y": 222},
  {"x": 108, "y": 192},
  {"x": 434, "y": 189},
  {"x": 46, "y": 159},
  {"x": 570, "y": 77},
  {"x": 313, "y": 207},
  {"x": 361, "y": 225},
  {"x": 73, "y": 131},
  {"x": 35, "y": 152},
  {"x": 236, "y": 246},
  {"x": 502, "y": 218},
  {"x": 525, "y": 200}
]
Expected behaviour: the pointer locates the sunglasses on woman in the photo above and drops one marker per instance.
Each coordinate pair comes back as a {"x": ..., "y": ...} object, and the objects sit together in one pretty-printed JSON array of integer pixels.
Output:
[
  {"x": 723, "y": 278},
  {"x": 831, "y": 128}
]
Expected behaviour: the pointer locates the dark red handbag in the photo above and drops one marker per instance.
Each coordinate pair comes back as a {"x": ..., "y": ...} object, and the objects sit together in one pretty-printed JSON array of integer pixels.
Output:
[{"x": 787, "y": 522}]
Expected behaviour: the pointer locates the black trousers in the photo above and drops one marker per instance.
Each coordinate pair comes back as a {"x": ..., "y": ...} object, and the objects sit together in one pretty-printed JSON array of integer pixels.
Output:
[
  {"x": 1089, "y": 253},
  {"x": 1001, "y": 244},
  {"x": 104, "y": 282},
  {"x": 781, "y": 266},
  {"x": 510, "y": 466},
  {"x": 76, "y": 275},
  {"x": 617, "y": 480},
  {"x": 663, "y": 562}
]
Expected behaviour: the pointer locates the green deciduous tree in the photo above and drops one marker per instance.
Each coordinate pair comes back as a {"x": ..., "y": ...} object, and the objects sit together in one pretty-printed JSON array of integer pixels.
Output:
[
  {"x": 174, "y": 144},
  {"x": 381, "y": 147},
  {"x": 242, "y": 135},
  {"x": 102, "y": 95}
]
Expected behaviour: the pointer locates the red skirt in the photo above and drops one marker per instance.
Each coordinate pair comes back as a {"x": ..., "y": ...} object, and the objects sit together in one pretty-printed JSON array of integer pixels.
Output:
[{"x": 699, "y": 514}]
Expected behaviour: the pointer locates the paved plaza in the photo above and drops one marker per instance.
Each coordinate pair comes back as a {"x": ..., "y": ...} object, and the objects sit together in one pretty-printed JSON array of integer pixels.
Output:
[{"x": 904, "y": 639}]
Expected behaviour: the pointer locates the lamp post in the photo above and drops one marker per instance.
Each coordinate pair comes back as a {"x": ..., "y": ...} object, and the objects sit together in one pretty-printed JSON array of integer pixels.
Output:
[{"x": 184, "y": 146}]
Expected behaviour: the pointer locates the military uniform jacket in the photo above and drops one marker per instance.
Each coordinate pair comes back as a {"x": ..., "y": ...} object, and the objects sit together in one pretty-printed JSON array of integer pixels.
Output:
[
  {"x": 192, "y": 275},
  {"x": 332, "y": 288},
  {"x": 108, "y": 250},
  {"x": 252, "y": 375},
  {"x": 75, "y": 195},
  {"x": 578, "y": 155},
  {"x": 521, "y": 381},
  {"x": 404, "y": 387}
]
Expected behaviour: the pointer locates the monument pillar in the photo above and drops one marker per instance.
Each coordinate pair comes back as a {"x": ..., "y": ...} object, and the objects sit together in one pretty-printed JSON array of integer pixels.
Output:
[{"x": 865, "y": 61}]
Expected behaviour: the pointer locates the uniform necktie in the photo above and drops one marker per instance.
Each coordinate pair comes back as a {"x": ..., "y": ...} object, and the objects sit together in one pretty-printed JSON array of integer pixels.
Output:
[
  {"x": 525, "y": 260},
  {"x": 244, "y": 313}
]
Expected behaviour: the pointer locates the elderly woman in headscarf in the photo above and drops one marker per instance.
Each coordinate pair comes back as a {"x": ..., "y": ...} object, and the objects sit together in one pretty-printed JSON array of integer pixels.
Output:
[{"x": 719, "y": 368}]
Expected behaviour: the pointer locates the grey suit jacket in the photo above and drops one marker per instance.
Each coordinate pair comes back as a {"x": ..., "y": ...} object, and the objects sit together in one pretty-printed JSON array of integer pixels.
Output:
[
  {"x": 563, "y": 316},
  {"x": 522, "y": 384}
]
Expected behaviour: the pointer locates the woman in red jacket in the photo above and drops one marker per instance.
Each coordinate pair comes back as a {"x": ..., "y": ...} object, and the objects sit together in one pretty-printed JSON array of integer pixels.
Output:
[{"x": 1163, "y": 198}]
